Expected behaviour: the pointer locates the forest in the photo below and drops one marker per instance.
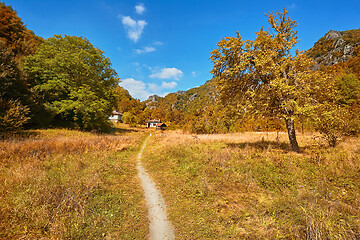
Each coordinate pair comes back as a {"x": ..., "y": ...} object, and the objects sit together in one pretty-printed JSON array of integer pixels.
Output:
[{"x": 257, "y": 85}]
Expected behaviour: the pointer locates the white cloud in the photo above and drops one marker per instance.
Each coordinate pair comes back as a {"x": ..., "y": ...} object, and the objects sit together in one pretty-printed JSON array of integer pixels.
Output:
[
  {"x": 140, "y": 8},
  {"x": 158, "y": 43},
  {"x": 145, "y": 50},
  {"x": 193, "y": 74},
  {"x": 137, "y": 89},
  {"x": 168, "y": 73},
  {"x": 142, "y": 91},
  {"x": 168, "y": 85},
  {"x": 134, "y": 28},
  {"x": 164, "y": 85}
]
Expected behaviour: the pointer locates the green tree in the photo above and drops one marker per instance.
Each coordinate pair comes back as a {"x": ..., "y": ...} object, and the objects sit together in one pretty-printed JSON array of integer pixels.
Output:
[
  {"x": 263, "y": 75},
  {"x": 348, "y": 87},
  {"x": 73, "y": 80}
]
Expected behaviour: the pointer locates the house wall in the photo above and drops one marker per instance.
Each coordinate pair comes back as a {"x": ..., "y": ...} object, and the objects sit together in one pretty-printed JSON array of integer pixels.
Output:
[
  {"x": 115, "y": 118},
  {"x": 151, "y": 124}
]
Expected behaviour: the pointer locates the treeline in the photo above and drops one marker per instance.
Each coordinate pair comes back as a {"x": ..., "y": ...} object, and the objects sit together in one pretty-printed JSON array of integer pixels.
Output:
[
  {"x": 260, "y": 85},
  {"x": 65, "y": 81},
  {"x": 60, "y": 81}
]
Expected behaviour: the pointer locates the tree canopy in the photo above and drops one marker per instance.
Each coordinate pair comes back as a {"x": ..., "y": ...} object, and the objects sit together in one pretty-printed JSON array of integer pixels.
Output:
[
  {"x": 16, "y": 42},
  {"x": 263, "y": 75},
  {"x": 74, "y": 81}
]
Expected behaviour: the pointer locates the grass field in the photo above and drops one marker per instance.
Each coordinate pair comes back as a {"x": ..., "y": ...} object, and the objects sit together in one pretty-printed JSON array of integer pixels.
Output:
[
  {"x": 251, "y": 186},
  {"x": 63, "y": 184}
]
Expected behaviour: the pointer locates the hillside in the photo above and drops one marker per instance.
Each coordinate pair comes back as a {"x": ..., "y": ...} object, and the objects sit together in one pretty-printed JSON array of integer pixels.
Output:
[
  {"x": 335, "y": 47},
  {"x": 196, "y": 110},
  {"x": 185, "y": 101}
]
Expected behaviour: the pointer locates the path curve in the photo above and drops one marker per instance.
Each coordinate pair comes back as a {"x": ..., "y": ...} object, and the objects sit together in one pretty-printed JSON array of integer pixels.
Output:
[{"x": 160, "y": 226}]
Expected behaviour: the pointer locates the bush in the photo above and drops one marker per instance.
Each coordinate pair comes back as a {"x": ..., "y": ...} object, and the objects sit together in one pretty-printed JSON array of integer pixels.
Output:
[
  {"x": 13, "y": 115},
  {"x": 332, "y": 121}
]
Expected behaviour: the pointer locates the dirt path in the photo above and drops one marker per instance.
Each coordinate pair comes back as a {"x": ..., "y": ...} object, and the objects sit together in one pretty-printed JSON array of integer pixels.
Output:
[{"x": 160, "y": 227}]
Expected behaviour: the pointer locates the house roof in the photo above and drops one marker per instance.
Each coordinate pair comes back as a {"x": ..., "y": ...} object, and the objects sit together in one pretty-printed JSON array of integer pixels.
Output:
[
  {"x": 116, "y": 113},
  {"x": 160, "y": 124},
  {"x": 154, "y": 121}
]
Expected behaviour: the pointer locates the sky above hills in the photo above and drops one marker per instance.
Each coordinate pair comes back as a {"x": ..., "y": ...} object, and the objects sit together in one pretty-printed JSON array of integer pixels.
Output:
[{"x": 159, "y": 46}]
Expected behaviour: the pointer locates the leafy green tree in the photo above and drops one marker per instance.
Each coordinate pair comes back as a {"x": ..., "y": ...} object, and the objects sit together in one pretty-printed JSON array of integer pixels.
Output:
[
  {"x": 73, "y": 80},
  {"x": 263, "y": 75},
  {"x": 348, "y": 87},
  {"x": 130, "y": 119}
]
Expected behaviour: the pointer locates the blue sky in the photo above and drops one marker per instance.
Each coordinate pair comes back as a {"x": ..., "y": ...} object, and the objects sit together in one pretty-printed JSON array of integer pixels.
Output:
[{"x": 158, "y": 46}]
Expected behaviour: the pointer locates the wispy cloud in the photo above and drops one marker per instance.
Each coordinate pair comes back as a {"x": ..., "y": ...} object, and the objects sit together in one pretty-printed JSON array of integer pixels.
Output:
[
  {"x": 140, "y": 8},
  {"x": 292, "y": 6},
  {"x": 134, "y": 28},
  {"x": 168, "y": 85},
  {"x": 137, "y": 89},
  {"x": 140, "y": 90},
  {"x": 145, "y": 50},
  {"x": 193, "y": 73},
  {"x": 168, "y": 73},
  {"x": 159, "y": 88}
]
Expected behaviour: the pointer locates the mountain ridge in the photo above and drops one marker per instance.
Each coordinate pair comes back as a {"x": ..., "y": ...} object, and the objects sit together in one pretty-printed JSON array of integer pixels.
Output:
[{"x": 334, "y": 47}]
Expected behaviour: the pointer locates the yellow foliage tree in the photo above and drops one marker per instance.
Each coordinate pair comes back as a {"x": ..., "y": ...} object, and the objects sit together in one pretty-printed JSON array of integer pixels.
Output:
[{"x": 263, "y": 75}]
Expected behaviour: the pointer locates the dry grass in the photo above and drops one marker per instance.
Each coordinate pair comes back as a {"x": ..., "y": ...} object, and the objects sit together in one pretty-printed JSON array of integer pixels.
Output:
[
  {"x": 251, "y": 185},
  {"x": 62, "y": 184}
]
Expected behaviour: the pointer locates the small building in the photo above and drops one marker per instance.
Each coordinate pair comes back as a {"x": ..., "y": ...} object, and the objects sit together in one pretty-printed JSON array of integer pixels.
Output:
[
  {"x": 156, "y": 123},
  {"x": 152, "y": 123},
  {"x": 115, "y": 117},
  {"x": 161, "y": 126}
]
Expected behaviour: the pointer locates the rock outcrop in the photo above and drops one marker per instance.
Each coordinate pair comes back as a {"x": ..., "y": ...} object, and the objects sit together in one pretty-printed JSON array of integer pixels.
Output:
[{"x": 333, "y": 48}]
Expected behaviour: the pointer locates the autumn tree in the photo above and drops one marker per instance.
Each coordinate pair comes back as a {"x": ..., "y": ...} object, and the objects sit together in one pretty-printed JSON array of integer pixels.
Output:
[
  {"x": 16, "y": 42},
  {"x": 15, "y": 35},
  {"x": 263, "y": 75},
  {"x": 335, "y": 105},
  {"x": 74, "y": 81}
]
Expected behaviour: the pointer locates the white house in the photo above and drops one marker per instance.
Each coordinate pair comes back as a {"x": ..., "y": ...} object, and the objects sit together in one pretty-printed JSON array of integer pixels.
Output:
[
  {"x": 115, "y": 117},
  {"x": 152, "y": 123}
]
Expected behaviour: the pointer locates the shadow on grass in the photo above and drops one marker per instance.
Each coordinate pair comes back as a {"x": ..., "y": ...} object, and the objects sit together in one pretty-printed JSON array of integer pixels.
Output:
[
  {"x": 262, "y": 145},
  {"x": 115, "y": 131},
  {"x": 18, "y": 135}
]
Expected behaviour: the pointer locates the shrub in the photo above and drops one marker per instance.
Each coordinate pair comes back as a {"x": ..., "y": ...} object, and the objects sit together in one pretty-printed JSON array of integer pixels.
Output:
[{"x": 13, "y": 115}]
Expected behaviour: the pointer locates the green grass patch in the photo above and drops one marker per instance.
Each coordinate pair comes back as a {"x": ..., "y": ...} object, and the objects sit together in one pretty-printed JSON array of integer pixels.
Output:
[{"x": 223, "y": 189}]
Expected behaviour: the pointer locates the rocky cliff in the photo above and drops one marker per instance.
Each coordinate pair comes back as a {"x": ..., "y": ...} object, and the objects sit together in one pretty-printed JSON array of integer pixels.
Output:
[{"x": 334, "y": 47}]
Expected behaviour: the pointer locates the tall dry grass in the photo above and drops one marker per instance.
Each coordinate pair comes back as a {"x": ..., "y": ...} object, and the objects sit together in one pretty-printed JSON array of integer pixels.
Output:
[
  {"x": 62, "y": 184},
  {"x": 251, "y": 186}
]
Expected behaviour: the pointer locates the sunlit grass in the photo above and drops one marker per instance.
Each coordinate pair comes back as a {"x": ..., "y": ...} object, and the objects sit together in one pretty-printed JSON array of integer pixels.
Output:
[
  {"x": 251, "y": 185},
  {"x": 63, "y": 184}
]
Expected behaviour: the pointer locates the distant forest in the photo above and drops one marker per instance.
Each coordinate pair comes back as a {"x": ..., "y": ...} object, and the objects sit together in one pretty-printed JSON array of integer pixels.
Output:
[{"x": 258, "y": 85}]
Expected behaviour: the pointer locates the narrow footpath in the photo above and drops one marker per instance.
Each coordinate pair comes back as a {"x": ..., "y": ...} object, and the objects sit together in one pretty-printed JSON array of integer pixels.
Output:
[{"x": 160, "y": 226}]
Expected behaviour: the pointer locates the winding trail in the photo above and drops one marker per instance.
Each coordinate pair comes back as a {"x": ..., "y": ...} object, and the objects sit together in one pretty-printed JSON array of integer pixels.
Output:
[{"x": 160, "y": 226}]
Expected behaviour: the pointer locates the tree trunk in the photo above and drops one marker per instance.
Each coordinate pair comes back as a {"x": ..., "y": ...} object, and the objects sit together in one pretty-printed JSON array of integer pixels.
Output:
[{"x": 292, "y": 135}]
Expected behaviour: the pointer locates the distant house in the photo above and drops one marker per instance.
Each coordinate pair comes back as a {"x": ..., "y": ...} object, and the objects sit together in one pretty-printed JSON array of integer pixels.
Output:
[
  {"x": 156, "y": 123},
  {"x": 161, "y": 126},
  {"x": 115, "y": 117},
  {"x": 152, "y": 123}
]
